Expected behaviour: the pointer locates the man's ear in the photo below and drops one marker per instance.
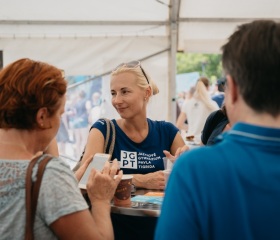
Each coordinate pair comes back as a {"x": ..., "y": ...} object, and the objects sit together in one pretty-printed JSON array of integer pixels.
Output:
[
  {"x": 42, "y": 116},
  {"x": 232, "y": 90}
]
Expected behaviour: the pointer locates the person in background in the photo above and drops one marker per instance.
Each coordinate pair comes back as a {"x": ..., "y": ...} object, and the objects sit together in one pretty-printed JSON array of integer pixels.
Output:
[
  {"x": 32, "y": 100},
  {"x": 80, "y": 122},
  {"x": 188, "y": 96},
  {"x": 219, "y": 95},
  {"x": 181, "y": 98},
  {"x": 216, "y": 123},
  {"x": 94, "y": 108},
  {"x": 231, "y": 189},
  {"x": 197, "y": 109},
  {"x": 140, "y": 141},
  {"x": 62, "y": 137}
]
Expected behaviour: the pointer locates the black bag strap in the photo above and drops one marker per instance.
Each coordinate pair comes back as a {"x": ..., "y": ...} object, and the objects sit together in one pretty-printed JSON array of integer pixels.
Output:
[{"x": 32, "y": 193}]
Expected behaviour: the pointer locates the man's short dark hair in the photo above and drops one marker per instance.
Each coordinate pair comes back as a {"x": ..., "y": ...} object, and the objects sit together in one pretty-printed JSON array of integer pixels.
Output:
[{"x": 252, "y": 58}]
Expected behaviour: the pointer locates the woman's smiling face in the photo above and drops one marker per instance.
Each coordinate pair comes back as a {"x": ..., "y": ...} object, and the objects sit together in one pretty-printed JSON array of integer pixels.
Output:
[{"x": 127, "y": 97}]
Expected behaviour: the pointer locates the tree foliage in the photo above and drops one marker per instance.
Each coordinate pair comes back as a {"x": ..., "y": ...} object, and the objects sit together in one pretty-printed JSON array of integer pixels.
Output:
[{"x": 208, "y": 65}]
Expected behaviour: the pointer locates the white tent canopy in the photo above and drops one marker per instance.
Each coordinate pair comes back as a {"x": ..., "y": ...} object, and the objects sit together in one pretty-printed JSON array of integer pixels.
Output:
[
  {"x": 91, "y": 37},
  {"x": 205, "y": 25}
]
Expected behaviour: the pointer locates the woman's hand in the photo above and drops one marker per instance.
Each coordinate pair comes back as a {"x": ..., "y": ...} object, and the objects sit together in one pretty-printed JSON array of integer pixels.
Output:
[
  {"x": 153, "y": 180},
  {"x": 178, "y": 152},
  {"x": 101, "y": 186},
  {"x": 81, "y": 170}
]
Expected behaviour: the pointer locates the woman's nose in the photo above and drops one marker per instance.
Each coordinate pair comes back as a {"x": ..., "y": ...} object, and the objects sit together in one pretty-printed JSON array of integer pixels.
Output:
[{"x": 117, "y": 98}]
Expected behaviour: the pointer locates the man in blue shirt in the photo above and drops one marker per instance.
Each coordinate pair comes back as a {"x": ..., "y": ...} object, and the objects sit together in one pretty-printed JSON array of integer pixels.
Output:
[{"x": 231, "y": 190}]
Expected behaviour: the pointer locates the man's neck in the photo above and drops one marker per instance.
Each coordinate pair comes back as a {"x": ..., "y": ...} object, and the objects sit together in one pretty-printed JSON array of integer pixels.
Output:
[{"x": 247, "y": 115}]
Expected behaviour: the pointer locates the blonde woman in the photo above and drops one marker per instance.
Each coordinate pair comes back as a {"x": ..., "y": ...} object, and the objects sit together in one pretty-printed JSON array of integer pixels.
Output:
[
  {"x": 140, "y": 141},
  {"x": 197, "y": 109}
]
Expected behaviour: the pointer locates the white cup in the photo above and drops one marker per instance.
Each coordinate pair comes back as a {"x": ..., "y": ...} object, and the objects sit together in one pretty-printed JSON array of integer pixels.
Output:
[
  {"x": 166, "y": 175},
  {"x": 168, "y": 164}
]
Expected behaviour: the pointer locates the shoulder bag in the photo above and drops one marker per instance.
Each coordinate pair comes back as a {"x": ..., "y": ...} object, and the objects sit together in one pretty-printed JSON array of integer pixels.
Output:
[
  {"x": 110, "y": 131},
  {"x": 32, "y": 193}
]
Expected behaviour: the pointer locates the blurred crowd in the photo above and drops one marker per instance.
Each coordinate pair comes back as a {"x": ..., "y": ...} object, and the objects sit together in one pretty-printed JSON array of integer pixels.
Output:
[
  {"x": 195, "y": 105},
  {"x": 80, "y": 112}
]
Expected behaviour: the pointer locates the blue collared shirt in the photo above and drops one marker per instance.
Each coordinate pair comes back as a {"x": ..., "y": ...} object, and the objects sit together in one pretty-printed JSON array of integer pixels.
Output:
[{"x": 230, "y": 190}]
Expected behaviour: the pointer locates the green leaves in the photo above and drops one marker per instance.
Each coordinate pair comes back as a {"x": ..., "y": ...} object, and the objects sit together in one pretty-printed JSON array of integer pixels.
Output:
[{"x": 208, "y": 65}]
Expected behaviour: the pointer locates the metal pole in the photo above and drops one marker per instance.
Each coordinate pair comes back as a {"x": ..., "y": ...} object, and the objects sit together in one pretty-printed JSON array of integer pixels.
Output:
[{"x": 174, "y": 15}]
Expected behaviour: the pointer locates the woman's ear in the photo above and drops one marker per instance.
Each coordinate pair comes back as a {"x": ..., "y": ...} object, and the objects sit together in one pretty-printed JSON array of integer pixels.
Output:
[
  {"x": 41, "y": 117},
  {"x": 148, "y": 92}
]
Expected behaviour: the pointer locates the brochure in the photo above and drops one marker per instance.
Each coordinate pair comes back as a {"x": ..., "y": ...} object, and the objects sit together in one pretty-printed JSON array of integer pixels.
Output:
[{"x": 150, "y": 197}]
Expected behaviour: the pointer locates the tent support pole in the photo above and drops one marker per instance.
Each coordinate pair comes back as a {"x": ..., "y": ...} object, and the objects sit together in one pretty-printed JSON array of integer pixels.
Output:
[{"x": 174, "y": 15}]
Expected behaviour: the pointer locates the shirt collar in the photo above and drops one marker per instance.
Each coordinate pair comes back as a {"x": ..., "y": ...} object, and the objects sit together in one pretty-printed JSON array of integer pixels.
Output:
[{"x": 252, "y": 133}]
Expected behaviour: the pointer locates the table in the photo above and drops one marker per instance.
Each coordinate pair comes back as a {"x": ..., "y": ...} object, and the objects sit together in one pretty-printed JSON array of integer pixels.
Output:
[
  {"x": 137, "y": 221},
  {"x": 138, "y": 208}
]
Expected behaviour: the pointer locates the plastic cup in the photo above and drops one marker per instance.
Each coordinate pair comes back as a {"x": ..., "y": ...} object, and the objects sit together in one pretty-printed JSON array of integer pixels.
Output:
[
  {"x": 168, "y": 164},
  {"x": 166, "y": 175},
  {"x": 122, "y": 195}
]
